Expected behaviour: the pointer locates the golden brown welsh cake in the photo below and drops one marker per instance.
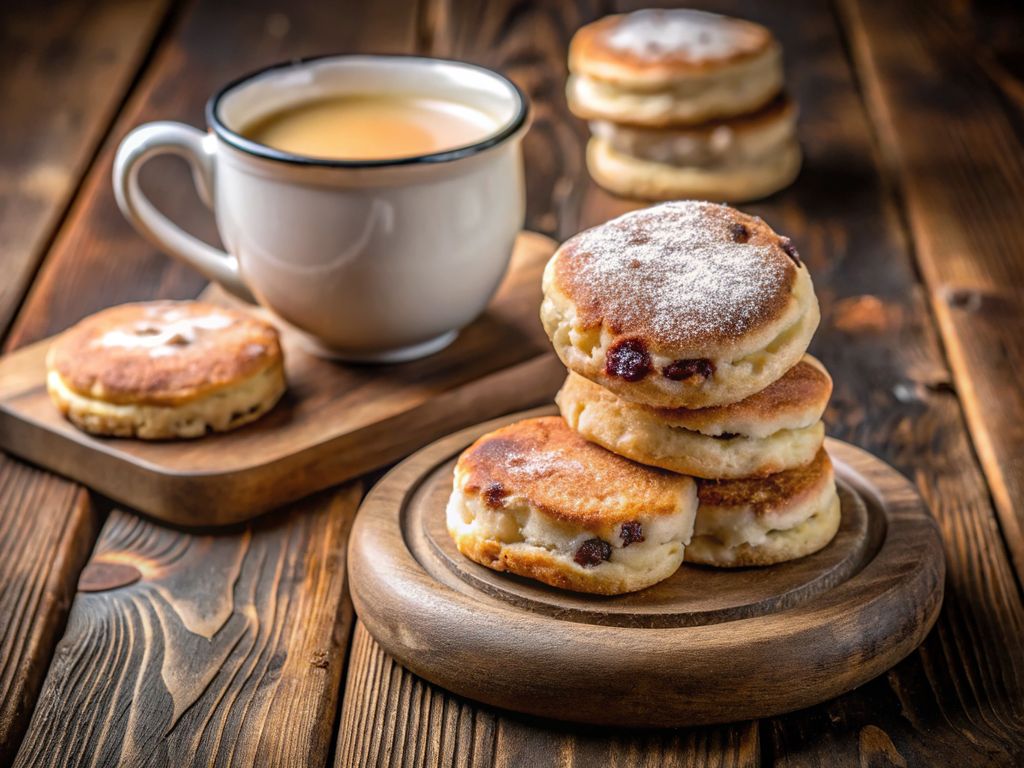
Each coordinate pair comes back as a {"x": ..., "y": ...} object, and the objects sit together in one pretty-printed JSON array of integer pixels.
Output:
[
  {"x": 773, "y": 430},
  {"x": 536, "y": 499},
  {"x": 671, "y": 67},
  {"x": 741, "y": 159},
  {"x": 762, "y": 521},
  {"x": 165, "y": 369},
  {"x": 682, "y": 305},
  {"x": 734, "y": 182}
]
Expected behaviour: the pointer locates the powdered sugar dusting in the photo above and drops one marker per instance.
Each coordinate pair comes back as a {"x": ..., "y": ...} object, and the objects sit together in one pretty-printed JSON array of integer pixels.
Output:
[
  {"x": 681, "y": 33},
  {"x": 675, "y": 273},
  {"x": 167, "y": 334},
  {"x": 541, "y": 463}
]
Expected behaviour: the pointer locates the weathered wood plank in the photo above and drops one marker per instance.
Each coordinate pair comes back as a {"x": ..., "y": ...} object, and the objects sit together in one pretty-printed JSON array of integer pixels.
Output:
[
  {"x": 64, "y": 69},
  {"x": 202, "y": 649},
  {"x": 955, "y": 147},
  {"x": 40, "y": 558},
  {"x": 391, "y": 717},
  {"x": 992, "y": 30}
]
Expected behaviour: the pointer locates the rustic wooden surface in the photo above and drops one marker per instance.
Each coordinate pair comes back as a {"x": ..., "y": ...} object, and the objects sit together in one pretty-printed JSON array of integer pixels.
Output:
[
  {"x": 911, "y": 123},
  {"x": 719, "y": 645},
  {"x": 962, "y": 182},
  {"x": 202, "y": 644},
  {"x": 396, "y": 718},
  {"x": 39, "y": 567},
  {"x": 334, "y": 424}
]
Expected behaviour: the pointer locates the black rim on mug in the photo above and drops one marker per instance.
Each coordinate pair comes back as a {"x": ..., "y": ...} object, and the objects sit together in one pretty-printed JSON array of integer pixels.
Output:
[{"x": 239, "y": 142}]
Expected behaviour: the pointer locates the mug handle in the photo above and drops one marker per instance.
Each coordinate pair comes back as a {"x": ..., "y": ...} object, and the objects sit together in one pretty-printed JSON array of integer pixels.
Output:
[{"x": 199, "y": 150}]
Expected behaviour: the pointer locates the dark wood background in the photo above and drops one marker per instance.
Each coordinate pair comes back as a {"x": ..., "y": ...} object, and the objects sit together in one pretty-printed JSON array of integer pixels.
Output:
[{"x": 123, "y": 641}]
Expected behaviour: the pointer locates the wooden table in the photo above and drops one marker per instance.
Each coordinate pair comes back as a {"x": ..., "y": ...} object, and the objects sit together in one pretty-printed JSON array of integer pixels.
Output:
[{"x": 126, "y": 642}]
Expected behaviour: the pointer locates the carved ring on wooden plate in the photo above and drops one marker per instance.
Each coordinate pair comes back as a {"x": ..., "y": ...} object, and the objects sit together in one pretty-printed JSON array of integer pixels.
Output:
[{"x": 704, "y": 646}]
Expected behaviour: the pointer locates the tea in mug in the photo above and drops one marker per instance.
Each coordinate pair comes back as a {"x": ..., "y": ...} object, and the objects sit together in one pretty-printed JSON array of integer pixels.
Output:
[{"x": 371, "y": 127}]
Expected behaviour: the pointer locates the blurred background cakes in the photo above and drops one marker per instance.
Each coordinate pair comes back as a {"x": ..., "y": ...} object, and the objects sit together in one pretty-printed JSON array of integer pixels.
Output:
[{"x": 684, "y": 104}]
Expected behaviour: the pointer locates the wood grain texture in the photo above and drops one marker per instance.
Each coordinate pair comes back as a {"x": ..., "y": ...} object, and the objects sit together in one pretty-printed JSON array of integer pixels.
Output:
[
  {"x": 955, "y": 147},
  {"x": 992, "y": 31},
  {"x": 717, "y": 645},
  {"x": 335, "y": 423},
  {"x": 394, "y": 718},
  {"x": 40, "y": 557},
  {"x": 64, "y": 69},
  {"x": 227, "y": 650}
]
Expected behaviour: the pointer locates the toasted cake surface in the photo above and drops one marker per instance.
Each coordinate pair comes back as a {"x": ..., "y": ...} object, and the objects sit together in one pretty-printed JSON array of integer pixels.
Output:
[
  {"x": 557, "y": 471},
  {"x": 752, "y": 444},
  {"x": 162, "y": 353},
  {"x": 536, "y": 499},
  {"x": 651, "y": 180},
  {"x": 797, "y": 399},
  {"x": 671, "y": 68},
  {"x": 682, "y": 305},
  {"x": 716, "y": 136},
  {"x": 219, "y": 411},
  {"x": 813, "y": 533},
  {"x": 767, "y": 520},
  {"x": 767, "y": 495}
]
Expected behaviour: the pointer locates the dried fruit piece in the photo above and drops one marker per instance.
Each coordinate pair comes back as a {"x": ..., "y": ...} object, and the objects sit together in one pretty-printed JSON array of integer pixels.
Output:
[{"x": 593, "y": 552}]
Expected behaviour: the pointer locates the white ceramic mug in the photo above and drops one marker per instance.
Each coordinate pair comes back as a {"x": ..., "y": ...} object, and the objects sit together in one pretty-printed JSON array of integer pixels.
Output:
[{"x": 377, "y": 261}]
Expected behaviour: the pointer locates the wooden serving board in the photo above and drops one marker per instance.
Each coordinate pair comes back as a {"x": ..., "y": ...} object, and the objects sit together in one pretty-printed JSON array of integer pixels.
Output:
[
  {"x": 704, "y": 646},
  {"x": 336, "y": 421}
]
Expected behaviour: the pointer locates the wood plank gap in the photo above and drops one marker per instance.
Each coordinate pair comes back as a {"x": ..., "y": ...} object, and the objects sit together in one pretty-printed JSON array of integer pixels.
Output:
[
  {"x": 430, "y": 15},
  {"x": 339, "y": 693}
]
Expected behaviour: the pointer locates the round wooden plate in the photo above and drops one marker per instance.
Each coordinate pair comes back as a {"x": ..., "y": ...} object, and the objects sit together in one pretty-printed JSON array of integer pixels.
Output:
[{"x": 703, "y": 646}]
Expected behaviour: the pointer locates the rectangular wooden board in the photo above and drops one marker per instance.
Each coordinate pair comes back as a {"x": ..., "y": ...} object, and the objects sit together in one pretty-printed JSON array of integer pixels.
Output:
[{"x": 336, "y": 421}]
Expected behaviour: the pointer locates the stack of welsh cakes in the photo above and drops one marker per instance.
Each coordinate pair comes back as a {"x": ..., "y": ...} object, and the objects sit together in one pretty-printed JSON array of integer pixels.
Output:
[
  {"x": 684, "y": 328},
  {"x": 684, "y": 104},
  {"x": 690, "y": 419}
]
